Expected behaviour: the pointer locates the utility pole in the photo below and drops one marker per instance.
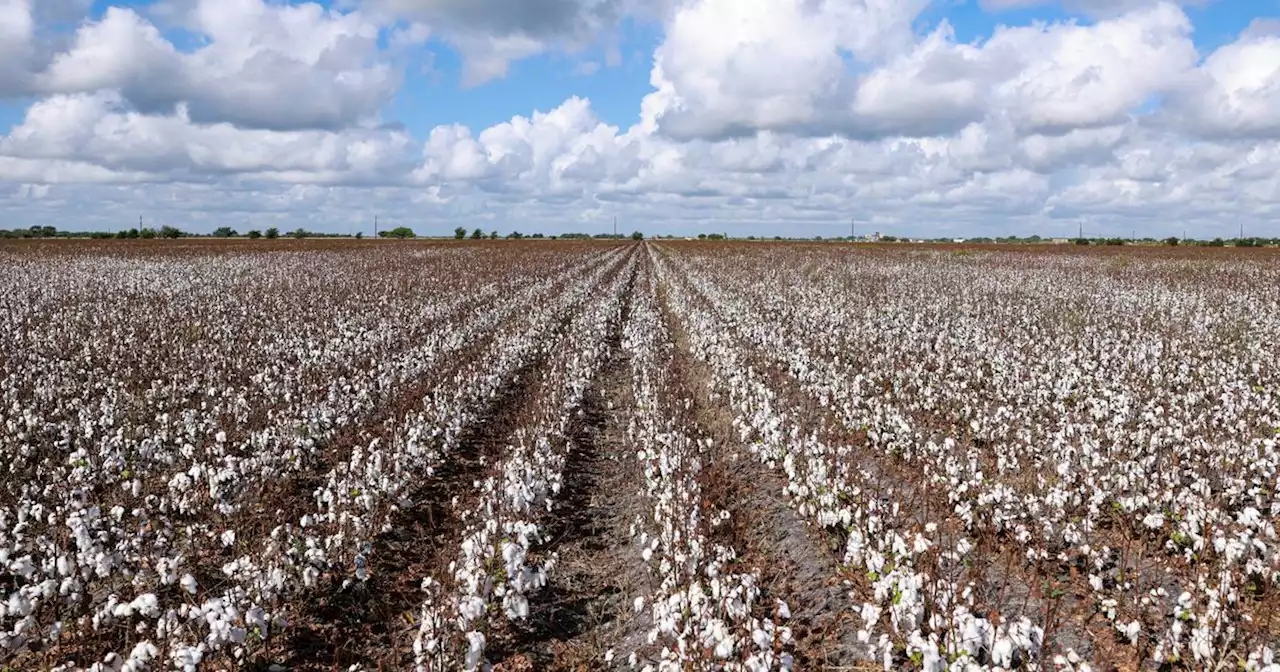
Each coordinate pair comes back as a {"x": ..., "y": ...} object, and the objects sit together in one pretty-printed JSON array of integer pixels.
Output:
[
  {"x": 615, "y": 226},
  {"x": 1081, "y": 229},
  {"x": 375, "y": 226},
  {"x": 853, "y": 229}
]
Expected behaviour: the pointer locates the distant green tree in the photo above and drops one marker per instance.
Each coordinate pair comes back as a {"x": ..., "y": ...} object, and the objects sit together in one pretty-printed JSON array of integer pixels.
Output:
[
  {"x": 493, "y": 235},
  {"x": 170, "y": 232},
  {"x": 636, "y": 235},
  {"x": 477, "y": 234},
  {"x": 1171, "y": 241},
  {"x": 459, "y": 233},
  {"x": 121, "y": 235},
  {"x": 515, "y": 235},
  {"x": 359, "y": 235},
  {"x": 300, "y": 233},
  {"x": 1216, "y": 242},
  {"x": 400, "y": 232},
  {"x": 273, "y": 233},
  {"x": 147, "y": 234},
  {"x": 133, "y": 234},
  {"x": 255, "y": 234},
  {"x": 224, "y": 232}
]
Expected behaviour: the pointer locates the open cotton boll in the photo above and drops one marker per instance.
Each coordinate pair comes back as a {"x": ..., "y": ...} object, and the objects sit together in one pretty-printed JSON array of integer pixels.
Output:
[{"x": 475, "y": 650}]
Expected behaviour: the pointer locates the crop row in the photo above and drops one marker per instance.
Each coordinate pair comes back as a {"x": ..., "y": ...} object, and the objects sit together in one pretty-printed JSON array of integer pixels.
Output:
[{"x": 1145, "y": 510}]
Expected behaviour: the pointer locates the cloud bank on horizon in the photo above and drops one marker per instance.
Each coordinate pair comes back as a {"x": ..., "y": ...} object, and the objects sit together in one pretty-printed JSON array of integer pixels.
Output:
[{"x": 760, "y": 117}]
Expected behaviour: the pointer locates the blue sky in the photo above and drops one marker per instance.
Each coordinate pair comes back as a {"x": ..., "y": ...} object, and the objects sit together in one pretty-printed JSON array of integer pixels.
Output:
[
  {"x": 433, "y": 94},
  {"x": 774, "y": 116}
]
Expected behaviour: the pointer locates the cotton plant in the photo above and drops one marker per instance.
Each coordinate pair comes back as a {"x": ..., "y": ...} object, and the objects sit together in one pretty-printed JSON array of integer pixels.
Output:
[
  {"x": 157, "y": 469},
  {"x": 789, "y": 323},
  {"x": 494, "y": 574},
  {"x": 702, "y": 610},
  {"x": 1050, "y": 415}
]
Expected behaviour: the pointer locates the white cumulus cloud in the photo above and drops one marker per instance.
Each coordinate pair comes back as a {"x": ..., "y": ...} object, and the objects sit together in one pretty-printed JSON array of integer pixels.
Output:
[{"x": 764, "y": 116}]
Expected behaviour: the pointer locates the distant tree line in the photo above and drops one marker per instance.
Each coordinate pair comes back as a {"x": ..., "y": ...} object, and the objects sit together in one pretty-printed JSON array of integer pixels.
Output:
[{"x": 461, "y": 233}]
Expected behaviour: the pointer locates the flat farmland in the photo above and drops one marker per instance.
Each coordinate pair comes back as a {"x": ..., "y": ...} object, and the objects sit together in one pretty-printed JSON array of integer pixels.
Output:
[{"x": 519, "y": 455}]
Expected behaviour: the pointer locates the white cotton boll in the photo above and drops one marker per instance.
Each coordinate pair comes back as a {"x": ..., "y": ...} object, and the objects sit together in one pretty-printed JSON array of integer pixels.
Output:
[
  {"x": 147, "y": 605},
  {"x": 255, "y": 617},
  {"x": 724, "y": 648},
  {"x": 784, "y": 612},
  {"x": 475, "y": 650},
  {"x": 1002, "y": 652},
  {"x": 638, "y": 604},
  {"x": 1132, "y": 630},
  {"x": 471, "y": 608},
  {"x": 221, "y": 437},
  {"x": 517, "y": 606},
  {"x": 228, "y": 538},
  {"x": 142, "y": 653},
  {"x": 189, "y": 583}
]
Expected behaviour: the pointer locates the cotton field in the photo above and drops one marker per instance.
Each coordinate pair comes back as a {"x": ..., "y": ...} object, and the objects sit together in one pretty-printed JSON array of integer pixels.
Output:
[{"x": 518, "y": 455}]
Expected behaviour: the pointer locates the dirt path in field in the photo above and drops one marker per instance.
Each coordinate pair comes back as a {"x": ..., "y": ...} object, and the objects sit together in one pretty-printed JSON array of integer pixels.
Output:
[
  {"x": 797, "y": 563},
  {"x": 376, "y": 625},
  {"x": 585, "y": 609}
]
